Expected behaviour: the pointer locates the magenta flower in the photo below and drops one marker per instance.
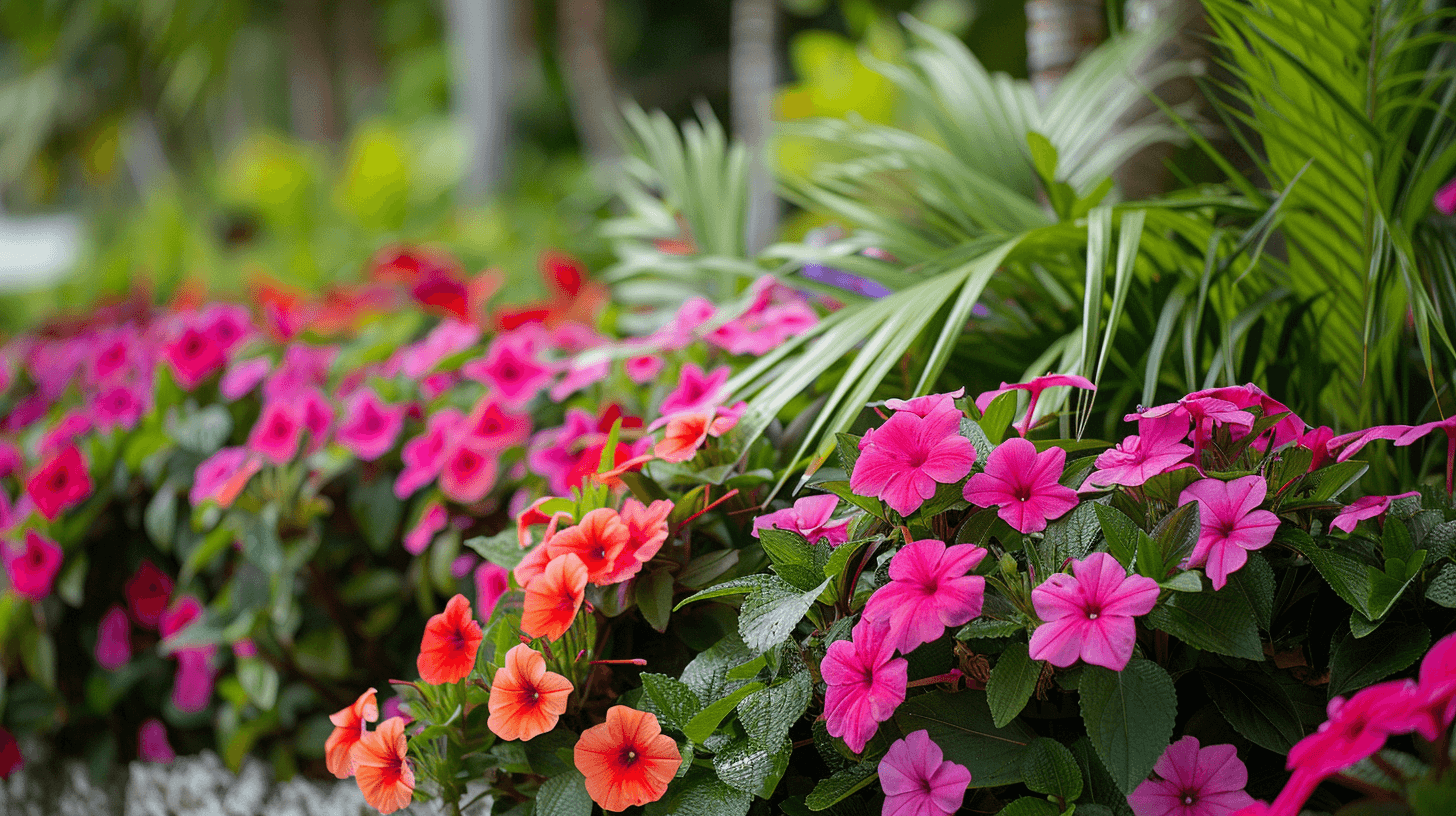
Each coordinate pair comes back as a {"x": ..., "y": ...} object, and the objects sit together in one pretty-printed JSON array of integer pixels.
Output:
[
  {"x": 928, "y": 591},
  {"x": 1445, "y": 199},
  {"x": 318, "y": 418},
  {"x": 303, "y": 367},
  {"x": 71, "y": 426},
  {"x": 120, "y": 405},
  {"x": 643, "y": 369},
  {"x": 1035, "y": 387},
  {"x": 810, "y": 517},
  {"x": 194, "y": 356},
  {"x": 1284, "y": 431},
  {"x": 580, "y": 372},
  {"x": 1438, "y": 687},
  {"x": 1023, "y": 483},
  {"x": 696, "y": 390},
  {"x": 192, "y": 685},
  {"x": 1449, "y": 426},
  {"x": 424, "y": 455},
  {"x": 1358, "y": 727},
  {"x": 147, "y": 593},
  {"x": 493, "y": 428},
  {"x": 510, "y": 368},
  {"x": 370, "y": 425},
  {"x": 1156, "y": 448},
  {"x": 919, "y": 781},
  {"x": 276, "y": 434},
  {"x": 1317, "y": 442},
  {"x": 1230, "y": 524},
  {"x": 928, "y": 404},
  {"x": 62, "y": 482},
  {"x": 1363, "y": 508},
  {"x": 552, "y": 453},
  {"x": 243, "y": 376},
  {"x": 222, "y": 476},
  {"x": 113, "y": 639},
  {"x": 1193, "y": 781},
  {"x": 492, "y": 581},
  {"x": 1347, "y": 445},
  {"x": 908, "y": 456},
  {"x": 1089, "y": 614},
  {"x": 866, "y": 684},
  {"x": 448, "y": 337},
  {"x": 152, "y": 743},
  {"x": 682, "y": 329},
  {"x": 432, "y": 521},
  {"x": 33, "y": 566},
  {"x": 468, "y": 474}
]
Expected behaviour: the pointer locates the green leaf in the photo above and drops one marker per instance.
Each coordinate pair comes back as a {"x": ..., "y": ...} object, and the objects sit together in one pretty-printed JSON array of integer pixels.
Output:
[
  {"x": 1120, "y": 531},
  {"x": 793, "y": 557},
  {"x": 1011, "y": 683},
  {"x": 768, "y": 714},
  {"x": 654, "y": 598},
  {"x": 1030, "y": 806},
  {"x": 259, "y": 680},
  {"x": 1214, "y": 621},
  {"x": 772, "y": 611},
  {"x": 1048, "y": 767},
  {"x": 1442, "y": 589},
  {"x": 1175, "y": 536},
  {"x": 737, "y": 586},
  {"x": 960, "y": 723},
  {"x": 1274, "y": 713},
  {"x": 998, "y": 417},
  {"x": 751, "y": 769},
  {"x": 501, "y": 549},
  {"x": 671, "y": 699},
  {"x": 1255, "y": 582},
  {"x": 707, "y": 673},
  {"x": 1071, "y": 536},
  {"x": 874, "y": 507},
  {"x": 1359, "y": 662},
  {"x": 702, "y": 795},
  {"x": 160, "y": 518},
  {"x": 204, "y": 431},
  {"x": 1129, "y": 717},
  {"x": 1184, "y": 582},
  {"x": 705, "y": 722},
  {"x": 1346, "y": 576},
  {"x": 841, "y": 785},
  {"x": 377, "y": 511},
  {"x": 564, "y": 795},
  {"x": 840, "y": 557},
  {"x": 989, "y": 628}
]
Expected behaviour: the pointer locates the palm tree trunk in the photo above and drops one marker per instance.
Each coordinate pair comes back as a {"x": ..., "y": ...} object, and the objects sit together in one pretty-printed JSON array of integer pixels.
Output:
[
  {"x": 480, "y": 64},
  {"x": 581, "y": 27},
  {"x": 1058, "y": 33},
  {"x": 751, "y": 89}
]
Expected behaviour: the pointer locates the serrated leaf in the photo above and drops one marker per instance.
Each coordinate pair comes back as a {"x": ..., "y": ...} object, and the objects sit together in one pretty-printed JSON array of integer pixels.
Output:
[
  {"x": 772, "y": 611},
  {"x": 1442, "y": 589},
  {"x": 1048, "y": 767},
  {"x": 960, "y": 723},
  {"x": 737, "y": 586},
  {"x": 1072, "y": 536},
  {"x": 768, "y": 714},
  {"x": 1184, "y": 582},
  {"x": 1030, "y": 806},
  {"x": 988, "y": 628},
  {"x": 1213, "y": 621},
  {"x": 703, "y": 795},
  {"x": 1262, "y": 708},
  {"x": 1255, "y": 582},
  {"x": 793, "y": 557},
  {"x": 1012, "y": 681},
  {"x": 1359, "y": 662},
  {"x": 1346, "y": 576},
  {"x": 705, "y": 722},
  {"x": 1129, "y": 717},
  {"x": 1174, "y": 538},
  {"x": 707, "y": 673},
  {"x": 1120, "y": 531},
  {"x": 848, "y": 447},
  {"x": 751, "y": 769},
  {"x": 502, "y": 549},
  {"x": 564, "y": 795},
  {"x": 841, "y": 784},
  {"x": 673, "y": 701}
]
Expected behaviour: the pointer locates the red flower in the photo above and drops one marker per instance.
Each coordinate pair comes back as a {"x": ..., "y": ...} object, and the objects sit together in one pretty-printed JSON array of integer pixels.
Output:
[
  {"x": 10, "y": 758},
  {"x": 147, "y": 594},
  {"x": 33, "y": 568},
  {"x": 447, "y": 653},
  {"x": 525, "y": 699},
  {"x": 553, "y": 597},
  {"x": 348, "y": 730},
  {"x": 61, "y": 482},
  {"x": 380, "y": 766},
  {"x": 626, "y": 760}
]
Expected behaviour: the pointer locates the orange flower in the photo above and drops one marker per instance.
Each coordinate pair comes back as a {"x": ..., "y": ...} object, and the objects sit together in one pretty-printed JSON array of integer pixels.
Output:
[
  {"x": 626, "y": 760},
  {"x": 597, "y": 541},
  {"x": 532, "y": 566},
  {"x": 646, "y": 530},
  {"x": 525, "y": 699},
  {"x": 452, "y": 637},
  {"x": 384, "y": 775},
  {"x": 687, "y": 431},
  {"x": 348, "y": 728},
  {"x": 553, "y": 598}
]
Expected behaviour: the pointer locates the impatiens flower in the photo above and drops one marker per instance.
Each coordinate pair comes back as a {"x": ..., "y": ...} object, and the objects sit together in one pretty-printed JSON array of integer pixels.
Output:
[
  {"x": 928, "y": 591},
  {"x": 866, "y": 683},
  {"x": 1449, "y": 426},
  {"x": 1317, "y": 442},
  {"x": 222, "y": 476},
  {"x": 447, "y": 652},
  {"x": 1438, "y": 686},
  {"x": 1284, "y": 431},
  {"x": 276, "y": 434},
  {"x": 243, "y": 376},
  {"x": 525, "y": 699},
  {"x": 696, "y": 390},
  {"x": 382, "y": 768},
  {"x": 32, "y": 566},
  {"x": 120, "y": 405},
  {"x": 1193, "y": 781},
  {"x": 1034, "y": 387},
  {"x": 552, "y": 454},
  {"x": 491, "y": 582},
  {"x": 810, "y": 517},
  {"x": 597, "y": 540},
  {"x": 919, "y": 781},
  {"x": 510, "y": 368},
  {"x": 113, "y": 639},
  {"x": 553, "y": 597},
  {"x": 61, "y": 483},
  {"x": 370, "y": 425},
  {"x": 686, "y": 432},
  {"x": 318, "y": 417},
  {"x": 425, "y": 454},
  {"x": 468, "y": 474},
  {"x": 493, "y": 428},
  {"x": 627, "y": 760},
  {"x": 1347, "y": 445},
  {"x": 928, "y": 404},
  {"x": 152, "y": 743},
  {"x": 644, "y": 369},
  {"x": 1358, "y": 727},
  {"x": 909, "y": 456},
  {"x": 1089, "y": 614},
  {"x": 1156, "y": 448},
  {"x": 1023, "y": 483},
  {"x": 1445, "y": 199},
  {"x": 192, "y": 687},
  {"x": 1230, "y": 525},
  {"x": 194, "y": 356},
  {"x": 147, "y": 594},
  {"x": 646, "y": 532},
  {"x": 432, "y": 521},
  {"x": 10, "y": 758},
  {"x": 1363, "y": 508},
  {"x": 348, "y": 730}
]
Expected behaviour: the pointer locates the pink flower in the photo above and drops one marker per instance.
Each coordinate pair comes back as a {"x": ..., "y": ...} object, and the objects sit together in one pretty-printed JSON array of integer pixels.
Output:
[
  {"x": 928, "y": 591},
  {"x": 447, "y": 338},
  {"x": 119, "y": 405},
  {"x": 1438, "y": 686},
  {"x": 194, "y": 356},
  {"x": 152, "y": 743},
  {"x": 303, "y": 367},
  {"x": 1317, "y": 442},
  {"x": 10, "y": 758},
  {"x": 60, "y": 483},
  {"x": 1193, "y": 781},
  {"x": 551, "y": 453},
  {"x": 1089, "y": 614},
  {"x": 227, "y": 323},
  {"x": 1034, "y": 387},
  {"x": 1229, "y": 524},
  {"x": 72, "y": 424},
  {"x": 1156, "y": 448},
  {"x": 643, "y": 369},
  {"x": 147, "y": 593},
  {"x": 810, "y": 517},
  {"x": 1445, "y": 200},
  {"x": 776, "y": 314},
  {"x": 919, "y": 781},
  {"x": 492, "y": 581},
  {"x": 682, "y": 329},
  {"x": 222, "y": 476},
  {"x": 1350, "y": 444},
  {"x": 192, "y": 686},
  {"x": 432, "y": 521},
  {"x": 425, "y": 454},
  {"x": 1363, "y": 508},
  {"x": 1449, "y": 426},
  {"x": 866, "y": 684},
  {"x": 581, "y": 372},
  {"x": 1023, "y": 483},
  {"x": 468, "y": 474},
  {"x": 370, "y": 425},
  {"x": 493, "y": 428},
  {"x": 696, "y": 390},
  {"x": 113, "y": 639},
  {"x": 909, "y": 455},
  {"x": 1358, "y": 727},
  {"x": 318, "y": 417},
  {"x": 928, "y": 404},
  {"x": 276, "y": 434},
  {"x": 1284, "y": 431},
  {"x": 510, "y": 368},
  {"x": 243, "y": 376},
  {"x": 33, "y": 566}
]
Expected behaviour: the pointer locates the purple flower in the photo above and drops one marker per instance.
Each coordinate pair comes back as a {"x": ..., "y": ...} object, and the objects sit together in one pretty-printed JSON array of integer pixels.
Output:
[
  {"x": 1193, "y": 781},
  {"x": 810, "y": 517},
  {"x": 1089, "y": 614},
  {"x": 1023, "y": 483},
  {"x": 928, "y": 591},
  {"x": 919, "y": 781},
  {"x": 909, "y": 455}
]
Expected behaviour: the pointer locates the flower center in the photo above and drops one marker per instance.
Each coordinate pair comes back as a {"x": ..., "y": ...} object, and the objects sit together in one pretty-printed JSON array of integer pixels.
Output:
[
  {"x": 1189, "y": 799},
  {"x": 1091, "y": 616},
  {"x": 629, "y": 756}
]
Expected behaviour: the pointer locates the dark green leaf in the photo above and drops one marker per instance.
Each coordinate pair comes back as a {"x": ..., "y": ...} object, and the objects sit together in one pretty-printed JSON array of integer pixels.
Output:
[
  {"x": 654, "y": 598},
  {"x": 751, "y": 769},
  {"x": 1442, "y": 590},
  {"x": 1267, "y": 710},
  {"x": 1011, "y": 683},
  {"x": 840, "y": 785},
  {"x": 960, "y": 723},
  {"x": 988, "y": 628},
  {"x": 1255, "y": 582},
  {"x": 998, "y": 417},
  {"x": 772, "y": 611},
  {"x": 377, "y": 511},
  {"x": 1346, "y": 576},
  {"x": 768, "y": 714},
  {"x": 793, "y": 557},
  {"x": 564, "y": 795},
  {"x": 1129, "y": 717},
  {"x": 1214, "y": 621},
  {"x": 1071, "y": 536},
  {"x": 1030, "y": 806},
  {"x": 501, "y": 549},
  {"x": 1048, "y": 767},
  {"x": 705, "y": 722},
  {"x": 671, "y": 699},
  {"x": 1358, "y": 662},
  {"x": 1120, "y": 532}
]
